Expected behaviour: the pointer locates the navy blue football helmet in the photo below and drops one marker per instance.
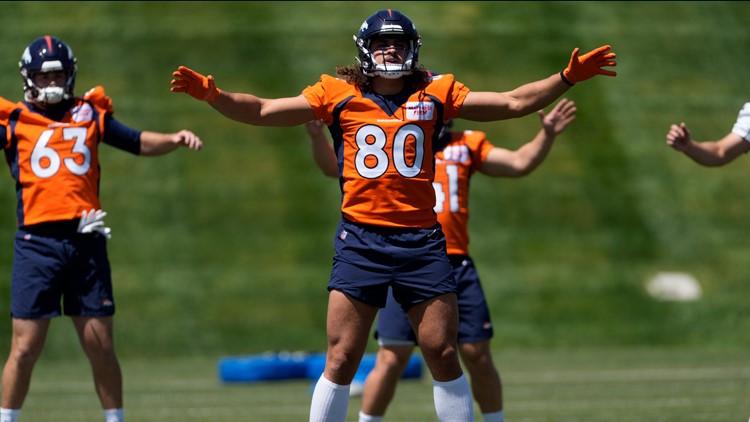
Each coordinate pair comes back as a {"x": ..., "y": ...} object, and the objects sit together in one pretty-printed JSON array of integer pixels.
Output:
[
  {"x": 387, "y": 23},
  {"x": 47, "y": 54}
]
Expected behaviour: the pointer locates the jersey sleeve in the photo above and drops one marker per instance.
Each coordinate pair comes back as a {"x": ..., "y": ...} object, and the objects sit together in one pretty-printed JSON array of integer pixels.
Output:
[
  {"x": 742, "y": 125},
  {"x": 6, "y": 109},
  {"x": 323, "y": 95},
  {"x": 480, "y": 146},
  {"x": 116, "y": 133},
  {"x": 121, "y": 136},
  {"x": 458, "y": 96},
  {"x": 451, "y": 91}
]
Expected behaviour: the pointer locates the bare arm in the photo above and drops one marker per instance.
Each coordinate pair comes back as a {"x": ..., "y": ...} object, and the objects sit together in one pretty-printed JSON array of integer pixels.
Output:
[
  {"x": 322, "y": 150},
  {"x": 506, "y": 163},
  {"x": 533, "y": 96},
  {"x": 526, "y": 99},
  {"x": 154, "y": 143},
  {"x": 707, "y": 153},
  {"x": 252, "y": 110},
  {"x": 244, "y": 108}
]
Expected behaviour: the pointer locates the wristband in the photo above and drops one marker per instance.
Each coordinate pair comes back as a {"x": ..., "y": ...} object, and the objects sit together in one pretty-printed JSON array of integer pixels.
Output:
[{"x": 567, "y": 82}]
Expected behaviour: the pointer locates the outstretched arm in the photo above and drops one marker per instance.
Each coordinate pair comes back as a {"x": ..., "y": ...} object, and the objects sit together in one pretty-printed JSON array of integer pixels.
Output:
[
  {"x": 528, "y": 98},
  {"x": 713, "y": 153},
  {"x": 707, "y": 153},
  {"x": 322, "y": 150},
  {"x": 506, "y": 163},
  {"x": 244, "y": 108},
  {"x": 154, "y": 143}
]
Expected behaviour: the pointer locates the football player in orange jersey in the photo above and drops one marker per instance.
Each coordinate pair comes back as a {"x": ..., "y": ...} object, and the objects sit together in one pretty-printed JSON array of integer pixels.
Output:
[
  {"x": 459, "y": 156},
  {"x": 51, "y": 142},
  {"x": 384, "y": 113}
]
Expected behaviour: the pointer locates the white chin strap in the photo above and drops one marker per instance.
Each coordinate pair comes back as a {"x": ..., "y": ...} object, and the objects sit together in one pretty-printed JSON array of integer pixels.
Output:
[{"x": 50, "y": 95}]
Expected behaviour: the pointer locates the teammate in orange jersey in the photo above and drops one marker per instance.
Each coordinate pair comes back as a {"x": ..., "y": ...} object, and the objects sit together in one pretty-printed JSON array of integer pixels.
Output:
[
  {"x": 459, "y": 156},
  {"x": 713, "y": 153},
  {"x": 384, "y": 113},
  {"x": 51, "y": 142}
]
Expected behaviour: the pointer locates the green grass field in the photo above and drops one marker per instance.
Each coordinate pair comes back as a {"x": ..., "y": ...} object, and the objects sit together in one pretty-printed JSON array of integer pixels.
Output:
[
  {"x": 622, "y": 385},
  {"x": 227, "y": 251}
]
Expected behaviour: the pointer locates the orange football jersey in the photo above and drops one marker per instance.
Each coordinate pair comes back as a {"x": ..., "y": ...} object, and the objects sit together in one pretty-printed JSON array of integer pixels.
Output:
[
  {"x": 55, "y": 163},
  {"x": 454, "y": 166},
  {"x": 384, "y": 147}
]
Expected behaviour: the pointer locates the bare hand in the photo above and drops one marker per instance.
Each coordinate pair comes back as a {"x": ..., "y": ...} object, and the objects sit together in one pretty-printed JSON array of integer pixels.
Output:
[
  {"x": 188, "y": 139},
  {"x": 559, "y": 117},
  {"x": 679, "y": 137},
  {"x": 314, "y": 127}
]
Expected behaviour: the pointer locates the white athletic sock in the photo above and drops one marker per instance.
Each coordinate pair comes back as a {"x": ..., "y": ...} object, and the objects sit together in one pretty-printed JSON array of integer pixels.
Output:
[
  {"x": 494, "y": 416},
  {"x": 329, "y": 401},
  {"x": 114, "y": 415},
  {"x": 453, "y": 400},
  {"x": 9, "y": 415},
  {"x": 363, "y": 417}
]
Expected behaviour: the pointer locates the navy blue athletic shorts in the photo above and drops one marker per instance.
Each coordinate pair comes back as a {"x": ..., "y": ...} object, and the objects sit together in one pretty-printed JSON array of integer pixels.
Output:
[
  {"x": 413, "y": 262},
  {"x": 57, "y": 270},
  {"x": 474, "y": 324}
]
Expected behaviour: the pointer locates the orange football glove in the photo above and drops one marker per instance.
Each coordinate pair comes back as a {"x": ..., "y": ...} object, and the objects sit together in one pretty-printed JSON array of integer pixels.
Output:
[
  {"x": 589, "y": 65},
  {"x": 194, "y": 84}
]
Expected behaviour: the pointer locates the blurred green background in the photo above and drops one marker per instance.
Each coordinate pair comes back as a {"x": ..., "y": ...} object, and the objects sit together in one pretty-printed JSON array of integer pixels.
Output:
[{"x": 228, "y": 251}]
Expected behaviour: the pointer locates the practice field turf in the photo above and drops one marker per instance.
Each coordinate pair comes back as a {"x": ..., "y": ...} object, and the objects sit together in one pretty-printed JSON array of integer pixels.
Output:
[
  {"x": 617, "y": 385},
  {"x": 228, "y": 251}
]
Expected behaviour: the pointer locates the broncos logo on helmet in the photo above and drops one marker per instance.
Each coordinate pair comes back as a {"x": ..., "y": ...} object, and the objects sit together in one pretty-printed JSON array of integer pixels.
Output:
[
  {"x": 387, "y": 23},
  {"x": 47, "y": 54}
]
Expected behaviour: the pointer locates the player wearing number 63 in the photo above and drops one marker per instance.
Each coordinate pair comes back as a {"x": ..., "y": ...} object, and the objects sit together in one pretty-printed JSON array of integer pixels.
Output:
[
  {"x": 51, "y": 142},
  {"x": 384, "y": 113}
]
